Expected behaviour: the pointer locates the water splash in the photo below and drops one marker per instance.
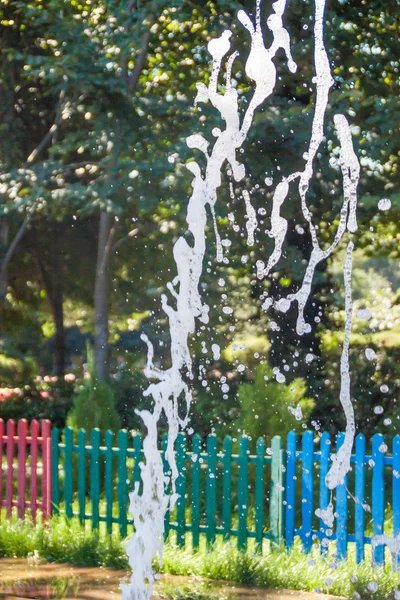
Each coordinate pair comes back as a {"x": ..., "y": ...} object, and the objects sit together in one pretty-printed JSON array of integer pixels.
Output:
[{"x": 171, "y": 388}]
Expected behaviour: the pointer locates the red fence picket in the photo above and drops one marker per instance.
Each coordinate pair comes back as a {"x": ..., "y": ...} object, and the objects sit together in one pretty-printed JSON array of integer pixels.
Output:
[{"x": 27, "y": 443}]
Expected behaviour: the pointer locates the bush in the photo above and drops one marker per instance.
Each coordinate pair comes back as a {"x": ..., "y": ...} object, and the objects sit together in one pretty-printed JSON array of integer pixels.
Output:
[
  {"x": 265, "y": 405},
  {"x": 37, "y": 400},
  {"x": 94, "y": 404}
]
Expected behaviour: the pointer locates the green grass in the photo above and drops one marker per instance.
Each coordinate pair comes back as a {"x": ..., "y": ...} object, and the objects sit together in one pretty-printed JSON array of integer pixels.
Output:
[{"x": 64, "y": 541}]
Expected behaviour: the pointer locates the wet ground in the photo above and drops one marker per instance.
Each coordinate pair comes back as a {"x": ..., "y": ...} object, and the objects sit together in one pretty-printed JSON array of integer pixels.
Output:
[{"x": 23, "y": 579}]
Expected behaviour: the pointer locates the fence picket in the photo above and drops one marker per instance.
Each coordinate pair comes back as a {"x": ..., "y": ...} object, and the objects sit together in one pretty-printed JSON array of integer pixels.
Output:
[
  {"x": 10, "y": 466},
  {"x": 108, "y": 440},
  {"x": 378, "y": 495},
  {"x": 307, "y": 490},
  {"x": 196, "y": 450},
  {"x": 243, "y": 491},
  {"x": 34, "y": 433},
  {"x": 259, "y": 493},
  {"x": 396, "y": 490},
  {"x": 211, "y": 488},
  {"x": 68, "y": 469},
  {"x": 276, "y": 492},
  {"x": 22, "y": 435},
  {"x": 180, "y": 489},
  {"x": 122, "y": 481},
  {"x": 55, "y": 492},
  {"x": 290, "y": 489},
  {"x": 82, "y": 474},
  {"x": 325, "y": 446},
  {"x": 167, "y": 476},
  {"x": 95, "y": 476},
  {"x": 1, "y": 462},
  {"x": 360, "y": 497},
  {"x": 46, "y": 468},
  {"x": 226, "y": 488},
  {"x": 341, "y": 509}
]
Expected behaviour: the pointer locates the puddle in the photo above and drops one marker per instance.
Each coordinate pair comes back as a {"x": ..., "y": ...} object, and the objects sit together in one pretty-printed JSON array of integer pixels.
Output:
[{"x": 22, "y": 579}]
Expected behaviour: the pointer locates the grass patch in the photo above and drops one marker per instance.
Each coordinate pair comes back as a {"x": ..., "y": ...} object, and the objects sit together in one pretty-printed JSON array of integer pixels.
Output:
[
  {"x": 61, "y": 541},
  {"x": 66, "y": 541},
  {"x": 290, "y": 570}
]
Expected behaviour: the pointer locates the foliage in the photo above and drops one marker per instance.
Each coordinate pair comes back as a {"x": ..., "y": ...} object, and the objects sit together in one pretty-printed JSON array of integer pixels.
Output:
[
  {"x": 264, "y": 405},
  {"x": 94, "y": 404},
  {"x": 65, "y": 71},
  {"x": 37, "y": 401}
]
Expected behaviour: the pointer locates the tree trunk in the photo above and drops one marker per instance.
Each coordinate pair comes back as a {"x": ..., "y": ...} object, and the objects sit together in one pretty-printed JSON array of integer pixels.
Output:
[
  {"x": 58, "y": 316},
  {"x": 53, "y": 284},
  {"x": 101, "y": 296},
  {"x": 4, "y": 233}
]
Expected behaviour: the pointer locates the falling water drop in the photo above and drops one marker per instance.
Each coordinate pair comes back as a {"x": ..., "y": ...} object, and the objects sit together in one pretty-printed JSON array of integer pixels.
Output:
[{"x": 384, "y": 204}]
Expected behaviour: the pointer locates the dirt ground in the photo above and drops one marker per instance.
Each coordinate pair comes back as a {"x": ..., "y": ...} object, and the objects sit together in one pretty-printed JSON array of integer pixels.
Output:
[{"x": 23, "y": 579}]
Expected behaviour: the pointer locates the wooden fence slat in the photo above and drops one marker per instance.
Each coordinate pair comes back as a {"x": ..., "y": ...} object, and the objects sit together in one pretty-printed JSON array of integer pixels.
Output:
[
  {"x": 10, "y": 466},
  {"x": 290, "y": 489},
  {"x": 34, "y": 433},
  {"x": 360, "y": 497},
  {"x": 396, "y": 490},
  {"x": 1, "y": 463},
  {"x": 68, "y": 470},
  {"x": 211, "y": 488},
  {"x": 341, "y": 509},
  {"x": 180, "y": 489},
  {"x": 378, "y": 495},
  {"x": 95, "y": 476},
  {"x": 243, "y": 491},
  {"x": 196, "y": 450},
  {"x": 307, "y": 487},
  {"x": 396, "y": 485},
  {"x": 276, "y": 492},
  {"x": 226, "y": 488},
  {"x": 109, "y": 436},
  {"x": 22, "y": 430},
  {"x": 259, "y": 493},
  {"x": 55, "y": 492},
  {"x": 167, "y": 477},
  {"x": 47, "y": 468},
  {"x": 82, "y": 475},
  {"x": 122, "y": 481},
  {"x": 324, "y": 493},
  {"x": 137, "y": 449}
]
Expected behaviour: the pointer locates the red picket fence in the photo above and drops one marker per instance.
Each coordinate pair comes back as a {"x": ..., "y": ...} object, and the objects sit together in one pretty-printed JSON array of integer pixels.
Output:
[{"x": 27, "y": 447}]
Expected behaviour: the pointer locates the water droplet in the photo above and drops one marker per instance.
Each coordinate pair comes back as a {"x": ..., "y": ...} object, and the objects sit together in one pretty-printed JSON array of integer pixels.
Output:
[
  {"x": 363, "y": 314},
  {"x": 373, "y": 586},
  {"x": 370, "y": 353},
  {"x": 384, "y": 388},
  {"x": 378, "y": 410},
  {"x": 384, "y": 204},
  {"x": 227, "y": 310}
]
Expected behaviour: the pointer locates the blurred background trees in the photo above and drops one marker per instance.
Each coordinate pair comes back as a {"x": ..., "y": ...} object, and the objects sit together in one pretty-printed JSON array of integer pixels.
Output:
[{"x": 97, "y": 99}]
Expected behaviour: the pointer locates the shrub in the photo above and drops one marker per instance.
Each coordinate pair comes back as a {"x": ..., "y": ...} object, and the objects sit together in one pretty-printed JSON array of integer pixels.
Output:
[
  {"x": 265, "y": 405},
  {"x": 37, "y": 400},
  {"x": 94, "y": 405}
]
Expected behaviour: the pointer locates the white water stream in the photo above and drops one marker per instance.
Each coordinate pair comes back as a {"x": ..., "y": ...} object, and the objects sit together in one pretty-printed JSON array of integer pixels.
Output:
[{"x": 171, "y": 387}]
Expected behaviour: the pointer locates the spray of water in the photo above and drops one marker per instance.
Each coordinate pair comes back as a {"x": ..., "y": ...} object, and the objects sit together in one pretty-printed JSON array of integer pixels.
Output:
[{"x": 170, "y": 388}]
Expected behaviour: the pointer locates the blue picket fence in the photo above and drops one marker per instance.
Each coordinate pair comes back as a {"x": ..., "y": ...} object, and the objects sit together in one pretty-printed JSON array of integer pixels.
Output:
[{"x": 362, "y": 497}]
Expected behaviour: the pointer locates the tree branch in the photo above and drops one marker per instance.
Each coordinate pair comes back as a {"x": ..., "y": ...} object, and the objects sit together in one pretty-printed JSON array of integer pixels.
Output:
[
  {"x": 109, "y": 245},
  {"x": 11, "y": 249},
  {"x": 126, "y": 237},
  {"x": 50, "y": 134}
]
